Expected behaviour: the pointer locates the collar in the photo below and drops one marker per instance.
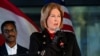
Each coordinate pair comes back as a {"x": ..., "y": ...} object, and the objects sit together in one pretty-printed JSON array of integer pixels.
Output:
[
  {"x": 48, "y": 34},
  {"x": 15, "y": 47},
  {"x": 10, "y": 50}
]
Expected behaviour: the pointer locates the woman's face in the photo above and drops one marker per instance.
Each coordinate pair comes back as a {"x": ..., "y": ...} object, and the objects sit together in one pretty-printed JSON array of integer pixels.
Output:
[{"x": 54, "y": 19}]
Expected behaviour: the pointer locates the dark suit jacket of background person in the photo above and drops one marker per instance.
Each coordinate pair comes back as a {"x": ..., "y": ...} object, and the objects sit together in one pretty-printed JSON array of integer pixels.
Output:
[
  {"x": 37, "y": 44},
  {"x": 21, "y": 51}
]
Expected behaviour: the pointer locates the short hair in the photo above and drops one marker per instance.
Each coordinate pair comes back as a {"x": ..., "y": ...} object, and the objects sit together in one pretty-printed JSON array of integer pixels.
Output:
[
  {"x": 45, "y": 12},
  {"x": 7, "y": 22}
]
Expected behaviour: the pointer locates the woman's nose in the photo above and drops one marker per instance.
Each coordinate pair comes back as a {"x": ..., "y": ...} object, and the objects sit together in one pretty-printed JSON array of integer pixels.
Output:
[{"x": 55, "y": 20}]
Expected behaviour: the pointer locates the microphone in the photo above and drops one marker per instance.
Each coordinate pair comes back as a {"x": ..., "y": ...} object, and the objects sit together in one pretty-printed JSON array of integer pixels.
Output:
[
  {"x": 58, "y": 39},
  {"x": 57, "y": 29},
  {"x": 54, "y": 41}
]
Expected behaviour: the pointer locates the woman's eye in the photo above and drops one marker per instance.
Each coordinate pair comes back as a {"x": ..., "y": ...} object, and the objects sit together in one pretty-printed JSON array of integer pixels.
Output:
[
  {"x": 55, "y": 16},
  {"x": 59, "y": 16},
  {"x": 52, "y": 16}
]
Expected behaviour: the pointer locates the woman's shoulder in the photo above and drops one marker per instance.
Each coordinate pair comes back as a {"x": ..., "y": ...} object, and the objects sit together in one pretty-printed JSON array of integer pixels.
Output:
[
  {"x": 35, "y": 35},
  {"x": 66, "y": 33},
  {"x": 69, "y": 35}
]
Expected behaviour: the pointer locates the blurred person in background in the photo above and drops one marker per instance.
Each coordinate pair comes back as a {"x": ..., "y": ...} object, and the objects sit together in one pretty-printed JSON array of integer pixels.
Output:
[{"x": 10, "y": 47}]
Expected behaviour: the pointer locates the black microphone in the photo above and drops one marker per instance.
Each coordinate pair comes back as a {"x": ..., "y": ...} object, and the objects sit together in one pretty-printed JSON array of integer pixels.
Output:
[
  {"x": 54, "y": 41},
  {"x": 58, "y": 37}
]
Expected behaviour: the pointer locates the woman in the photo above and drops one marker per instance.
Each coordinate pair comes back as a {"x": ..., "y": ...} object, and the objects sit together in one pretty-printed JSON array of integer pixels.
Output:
[{"x": 51, "y": 42}]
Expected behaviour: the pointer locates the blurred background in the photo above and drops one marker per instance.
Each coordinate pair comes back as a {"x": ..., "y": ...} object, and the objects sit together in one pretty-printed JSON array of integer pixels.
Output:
[{"x": 85, "y": 16}]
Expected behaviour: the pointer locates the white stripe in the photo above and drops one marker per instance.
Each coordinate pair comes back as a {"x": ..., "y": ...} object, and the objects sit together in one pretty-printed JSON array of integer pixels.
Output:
[
  {"x": 65, "y": 30},
  {"x": 67, "y": 21},
  {"x": 25, "y": 29}
]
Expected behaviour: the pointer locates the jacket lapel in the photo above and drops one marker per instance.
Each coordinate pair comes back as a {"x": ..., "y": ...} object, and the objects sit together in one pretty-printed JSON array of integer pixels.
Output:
[
  {"x": 4, "y": 50},
  {"x": 18, "y": 49},
  {"x": 46, "y": 36}
]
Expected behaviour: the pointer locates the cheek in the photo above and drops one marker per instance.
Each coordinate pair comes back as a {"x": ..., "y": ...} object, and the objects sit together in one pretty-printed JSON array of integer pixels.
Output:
[
  {"x": 50, "y": 21},
  {"x": 5, "y": 35},
  {"x": 15, "y": 34},
  {"x": 59, "y": 21}
]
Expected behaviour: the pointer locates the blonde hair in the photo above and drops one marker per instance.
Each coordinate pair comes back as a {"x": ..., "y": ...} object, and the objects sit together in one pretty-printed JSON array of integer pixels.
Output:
[{"x": 45, "y": 12}]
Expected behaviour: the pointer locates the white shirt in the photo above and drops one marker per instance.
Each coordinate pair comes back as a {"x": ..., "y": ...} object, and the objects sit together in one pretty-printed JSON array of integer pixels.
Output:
[{"x": 11, "y": 51}]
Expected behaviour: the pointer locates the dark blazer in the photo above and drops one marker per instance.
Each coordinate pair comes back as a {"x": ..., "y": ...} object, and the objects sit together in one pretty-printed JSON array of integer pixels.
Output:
[
  {"x": 21, "y": 51},
  {"x": 41, "y": 41}
]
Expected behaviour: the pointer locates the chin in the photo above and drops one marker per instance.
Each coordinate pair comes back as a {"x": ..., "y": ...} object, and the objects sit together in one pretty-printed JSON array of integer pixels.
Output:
[
  {"x": 55, "y": 28},
  {"x": 11, "y": 39}
]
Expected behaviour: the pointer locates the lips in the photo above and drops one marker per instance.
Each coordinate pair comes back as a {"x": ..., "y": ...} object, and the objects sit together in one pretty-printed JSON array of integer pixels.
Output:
[
  {"x": 56, "y": 24},
  {"x": 11, "y": 36}
]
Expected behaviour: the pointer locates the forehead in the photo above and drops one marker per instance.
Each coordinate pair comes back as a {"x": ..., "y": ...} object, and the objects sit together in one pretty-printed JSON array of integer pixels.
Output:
[
  {"x": 55, "y": 11},
  {"x": 9, "y": 26}
]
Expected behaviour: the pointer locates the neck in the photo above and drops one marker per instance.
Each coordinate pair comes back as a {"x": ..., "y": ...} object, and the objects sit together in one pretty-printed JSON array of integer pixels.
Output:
[
  {"x": 11, "y": 44},
  {"x": 51, "y": 30}
]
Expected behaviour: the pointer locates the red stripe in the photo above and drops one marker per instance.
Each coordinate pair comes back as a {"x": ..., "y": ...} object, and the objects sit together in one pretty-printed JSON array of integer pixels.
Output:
[
  {"x": 68, "y": 27},
  {"x": 9, "y": 6},
  {"x": 2, "y": 40},
  {"x": 66, "y": 15}
]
